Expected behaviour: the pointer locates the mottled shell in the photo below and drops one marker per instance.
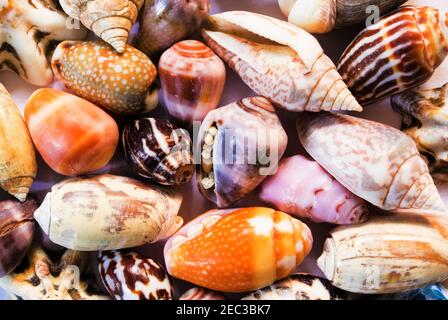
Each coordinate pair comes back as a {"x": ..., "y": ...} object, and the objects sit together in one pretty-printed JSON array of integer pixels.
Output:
[
  {"x": 111, "y": 20},
  {"x": 108, "y": 212},
  {"x": 198, "y": 293},
  {"x": 399, "y": 52},
  {"x": 18, "y": 165},
  {"x": 388, "y": 254},
  {"x": 131, "y": 276},
  {"x": 247, "y": 146},
  {"x": 299, "y": 287},
  {"x": 376, "y": 162},
  {"x": 16, "y": 233},
  {"x": 159, "y": 151},
  {"x": 165, "y": 22},
  {"x": 279, "y": 61},
  {"x": 119, "y": 83},
  {"x": 192, "y": 78},
  {"x": 237, "y": 250}
]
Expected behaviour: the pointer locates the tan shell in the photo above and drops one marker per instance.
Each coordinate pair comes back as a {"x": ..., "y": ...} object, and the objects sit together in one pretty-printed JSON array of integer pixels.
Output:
[
  {"x": 376, "y": 162},
  {"x": 111, "y": 20},
  {"x": 279, "y": 61},
  {"x": 389, "y": 253},
  {"x": 108, "y": 212},
  {"x": 18, "y": 165}
]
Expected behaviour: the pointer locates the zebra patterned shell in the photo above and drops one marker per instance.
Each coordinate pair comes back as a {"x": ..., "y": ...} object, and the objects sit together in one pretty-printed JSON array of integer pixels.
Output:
[
  {"x": 399, "y": 52},
  {"x": 198, "y": 293},
  {"x": 159, "y": 151},
  {"x": 131, "y": 276}
]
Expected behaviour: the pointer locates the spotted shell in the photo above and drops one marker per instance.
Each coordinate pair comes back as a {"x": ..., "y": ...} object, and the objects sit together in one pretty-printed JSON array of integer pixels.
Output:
[
  {"x": 237, "y": 250},
  {"x": 201, "y": 294}
]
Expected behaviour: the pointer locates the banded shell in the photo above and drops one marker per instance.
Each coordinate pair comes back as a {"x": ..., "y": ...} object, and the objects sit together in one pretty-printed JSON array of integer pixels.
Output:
[
  {"x": 159, "y": 151},
  {"x": 299, "y": 287},
  {"x": 279, "y": 61},
  {"x": 192, "y": 78},
  {"x": 108, "y": 212},
  {"x": 240, "y": 145},
  {"x": 111, "y": 20},
  {"x": 123, "y": 84},
  {"x": 237, "y": 250},
  {"x": 376, "y": 162},
  {"x": 18, "y": 165},
  {"x": 201, "y": 294},
  {"x": 399, "y": 52},
  {"x": 388, "y": 254},
  {"x": 131, "y": 276}
]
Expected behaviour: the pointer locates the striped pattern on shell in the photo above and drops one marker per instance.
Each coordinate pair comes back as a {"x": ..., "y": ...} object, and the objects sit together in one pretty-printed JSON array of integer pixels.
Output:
[
  {"x": 198, "y": 293},
  {"x": 400, "y": 52}
]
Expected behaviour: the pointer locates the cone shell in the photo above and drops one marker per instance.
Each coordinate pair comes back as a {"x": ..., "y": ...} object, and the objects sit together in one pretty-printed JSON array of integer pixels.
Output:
[
  {"x": 111, "y": 20},
  {"x": 18, "y": 165},
  {"x": 198, "y": 293},
  {"x": 399, "y": 52},
  {"x": 237, "y": 250},
  {"x": 388, "y": 254},
  {"x": 108, "y": 212},
  {"x": 376, "y": 162},
  {"x": 279, "y": 61}
]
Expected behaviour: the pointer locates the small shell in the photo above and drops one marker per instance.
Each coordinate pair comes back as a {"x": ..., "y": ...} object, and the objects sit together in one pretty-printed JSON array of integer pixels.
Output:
[
  {"x": 376, "y": 162},
  {"x": 131, "y": 276},
  {"x": 159, "y": 151},
  {"x": 192, "y": 78},
  {"x": 240, "y": 144},
  {"x": 108, "y": 212},
  {"x": 399, "y": 52},
  {"x": 237, "y": 250},
  {"x": 119, "y": 83},
  {"x": 201, "y": 294}
]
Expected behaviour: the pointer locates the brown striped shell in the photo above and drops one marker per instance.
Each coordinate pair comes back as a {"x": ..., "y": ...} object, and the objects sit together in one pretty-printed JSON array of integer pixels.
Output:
[
  {"x": 198, "y": 293},
  {"x": 399, "y": 52}
]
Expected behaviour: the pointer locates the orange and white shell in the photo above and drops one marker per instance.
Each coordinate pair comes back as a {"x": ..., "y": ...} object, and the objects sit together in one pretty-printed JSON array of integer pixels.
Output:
[{"x": 238, "y": 250}]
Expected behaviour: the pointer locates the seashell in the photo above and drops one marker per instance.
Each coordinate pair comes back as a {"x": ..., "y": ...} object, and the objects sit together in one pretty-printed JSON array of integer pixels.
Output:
[
  {"x": 376, "y": 162},
  {"x": 432, "y": 292},
  {"x": 159, "y": 151},
  {"x": 299, "y": 287},
  {"x": 120, "y": 83},
  {"x": 279, "y": 61},
  {"x": 131, "y": 276},
  {"x": 29, "y": 32},
  {"x": 399, "y": 52},
  {"x": 46, "y": 276},
  {"x": 16, "y": 233},
  {"x": 425, "y": 120},
  {"x": 192, "y": 78},
  {"x": 237, "y": 250},
  {"x": 301, "y": 187},
  {"x": 72, "y": 135},
  {"x": 321, "y": 16},
  {"x": 165, "y": 22},
  {"x": 18, "y": 165},
  {"x": 240, "y": 144},
  {"x": 108, "y": 212},
  {"x": 110, "y": 20},
  {"x": 198, "y": 293},
  {"x": 388, "y": 254}
]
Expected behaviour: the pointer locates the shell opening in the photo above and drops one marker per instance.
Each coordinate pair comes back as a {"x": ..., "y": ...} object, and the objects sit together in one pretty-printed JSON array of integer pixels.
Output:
[{"x": 207, "y": 174}]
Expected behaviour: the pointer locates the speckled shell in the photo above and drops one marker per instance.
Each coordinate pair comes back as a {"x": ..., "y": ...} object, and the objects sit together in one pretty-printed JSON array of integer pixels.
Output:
[
  {"x": 131, "y": 276},
  {"x": 198, "y": 293},
  {"x": 399, "y": 52},
  {"x": 389, "y": 253},
  {"x": 110, "y": 20},
  {"x": 251, "y": 125},
  {"x": 120, "y": 83},
  {"x": 299, "y": 287},
  {"x": 18, "y": 165},
  {"x": 237, "y": 250},
  {"x": 159, "y": 151},
  {"x": 46, "y": 276},
  {"x": 374, "y": 161},
  {"x": 192, "y": 78},
  {"x": 108, "y": 212},
  {"x": 16, "y": 233},
  {"x": 165, "y": 22},
  {"x": 291, "y": 70}
]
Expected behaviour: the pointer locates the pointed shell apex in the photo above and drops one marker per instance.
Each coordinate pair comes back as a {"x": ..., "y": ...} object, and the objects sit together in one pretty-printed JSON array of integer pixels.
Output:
[{"x": 43, "y": 214}]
